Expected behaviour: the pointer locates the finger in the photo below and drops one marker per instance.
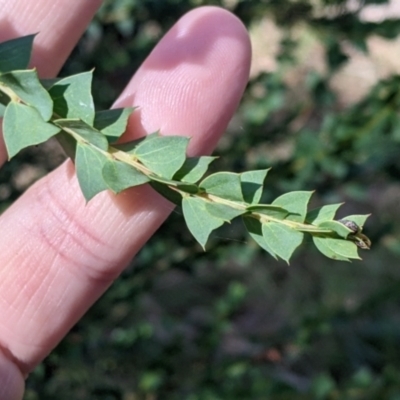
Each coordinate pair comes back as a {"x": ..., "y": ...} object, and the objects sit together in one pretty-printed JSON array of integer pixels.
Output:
[
  {"x": 59, "y": 254},
  {"x": 58, "y": 24}
]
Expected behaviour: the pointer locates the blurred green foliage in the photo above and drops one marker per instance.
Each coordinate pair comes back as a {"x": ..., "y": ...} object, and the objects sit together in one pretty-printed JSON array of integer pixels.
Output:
[{"x": 233, "y": 323}]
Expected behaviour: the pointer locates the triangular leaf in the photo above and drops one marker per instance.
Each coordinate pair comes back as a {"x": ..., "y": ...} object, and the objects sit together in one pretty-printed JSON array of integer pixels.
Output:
[
  {"x": 223, "y": 211},
  {"x": 224, "y": 184},
  {"x": 254, "y": 228},
  {"x": 252, "y": 185},
  {"x": 23, "y": 126},
  {"x": 130, "y": 147},
  {"x": 193, "y": 169},
  {"x": 120, "y": 176},
  {"x": 198, "y": 220},
  {"x": 165, "y": 191},
  {"x": 26, "y": 85},
  {"x": 80, "y": 130},
  {"x": 296, "y": 203},
  {"x": 323, "y": 213},
  {"x": 16, "y": 53},
  {"x": 268, "y": 209},
  {"x": 183, "y": 186},
  {"x": 359, "y": 219},
  {"x": 72, "y": 97},
  {"x": 163, "y": 155},
  {"x": 282, "y": 239},
  {"x": 112, "y": 123},
  {"x": 89, "y": 164},
  {"x": 337, "y": 249},
  {"x": 67, "y": 143},
  {"x": 337, "y": 227}
]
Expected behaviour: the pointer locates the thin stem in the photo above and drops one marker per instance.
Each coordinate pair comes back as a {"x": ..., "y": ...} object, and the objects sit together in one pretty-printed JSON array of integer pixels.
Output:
[{"x": 263, "y": 218}]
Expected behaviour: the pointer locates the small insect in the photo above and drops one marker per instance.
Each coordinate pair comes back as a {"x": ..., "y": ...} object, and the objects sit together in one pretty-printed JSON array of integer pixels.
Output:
[
  {"x": 356, "y": 236},
  {"x": 351, "y": 225}
]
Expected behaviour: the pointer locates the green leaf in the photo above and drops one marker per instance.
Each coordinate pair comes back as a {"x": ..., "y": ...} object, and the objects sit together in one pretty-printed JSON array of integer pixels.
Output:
[
  {"x": 165, "y": 191},
  {"x": 67, "y": 143},
  {"x": 268, "y": 209},
  {"x": 26, "y": 85},
  {"x": 16, "y": 53},
  {"x": 323, "y": 213},
  {"x": 163, "y": 155},
  {"x": 183, "y": 186},
  {"x": 193, "y": 169},
  {"x": 224, "y": 184},
  {"x": 296, "y": 203},
  {"x": 83, "y": 132},
  {"x": 254, "y": 228},
  {"x": 112, "y": 123},
  {"x": 198, "y": 220},
  {"x": 252, "y": 185},
  {"x": 23, "y": 126},
  {"x": 73, "y": 98},
  {"x": 89, "y": 164},
  {"x": 120, "y": 176},
  {"x": 223, "y": 211},
  {"x": 130, "y": 147},
  {"x": 282, "y": 239},
  {"x": 337, "y": 227},
  {"x": 337, "y": 249},
  {"x": 359, "y": 219}
]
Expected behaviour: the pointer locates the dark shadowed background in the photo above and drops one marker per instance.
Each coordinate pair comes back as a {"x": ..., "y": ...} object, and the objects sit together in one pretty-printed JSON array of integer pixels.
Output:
[{"x": 322, "y": 109}]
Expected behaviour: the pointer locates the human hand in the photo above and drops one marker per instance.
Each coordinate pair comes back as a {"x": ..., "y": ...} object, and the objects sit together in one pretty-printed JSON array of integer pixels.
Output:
[{"x": 59, "y": 254}]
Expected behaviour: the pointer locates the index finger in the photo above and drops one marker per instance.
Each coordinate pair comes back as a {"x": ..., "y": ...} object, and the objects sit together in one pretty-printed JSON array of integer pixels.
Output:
[{"x": 59, "y": 254}]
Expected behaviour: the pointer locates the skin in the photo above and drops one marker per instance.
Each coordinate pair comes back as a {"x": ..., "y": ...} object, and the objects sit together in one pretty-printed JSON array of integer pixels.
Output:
[{"x": 58, "y": 254}]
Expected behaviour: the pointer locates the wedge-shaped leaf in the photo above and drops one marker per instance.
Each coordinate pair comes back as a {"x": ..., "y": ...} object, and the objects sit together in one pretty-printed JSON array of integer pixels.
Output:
[
  {"x": 112, "y": 123},
  {"x": 89, "y": 164},
  {"x": 26, "y": 85},
  {"x": 183, "y": 186},
  {"x": 296, "y": 203},
  {"x": 199, "y": 221},
  {"x": 67, "y": 143},
  {"x": 359, "y": 219},
  {"x": 82, "y": 131},
  {"x": 120, "y": 176},
  {"x": 268, "y": 209},
  {"x": 324, "y": 213},
  {"x": 130, "y": 147},
  {"x": 337, "y": 227},
  {"x": 15, "y": 53},
  {"x": 254, "y": 228},
  {"x": 282, "y": 239},
  {"x": 165, "y": 191},
  {"x": 163, "y": 155},
  {"x": 193, "y": 169},
  {"x": 252, "y": 185},
  {"x": 223, "y": 211},
  {"x": 23, "y": 126},
  {"x": 224, "y": 184},
  {"x": 72, "y": 97},
  {"x": 337, "y": 249}
]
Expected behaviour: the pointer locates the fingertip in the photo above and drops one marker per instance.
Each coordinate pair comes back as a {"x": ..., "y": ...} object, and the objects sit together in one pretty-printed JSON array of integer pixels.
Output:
[
  {"x": 198, "y": 35},
  {"x": 193, "y": 80}
]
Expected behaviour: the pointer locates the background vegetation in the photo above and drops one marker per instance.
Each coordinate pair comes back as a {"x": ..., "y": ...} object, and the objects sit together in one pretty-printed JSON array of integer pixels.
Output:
[{"x": 322, "y": 109}]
